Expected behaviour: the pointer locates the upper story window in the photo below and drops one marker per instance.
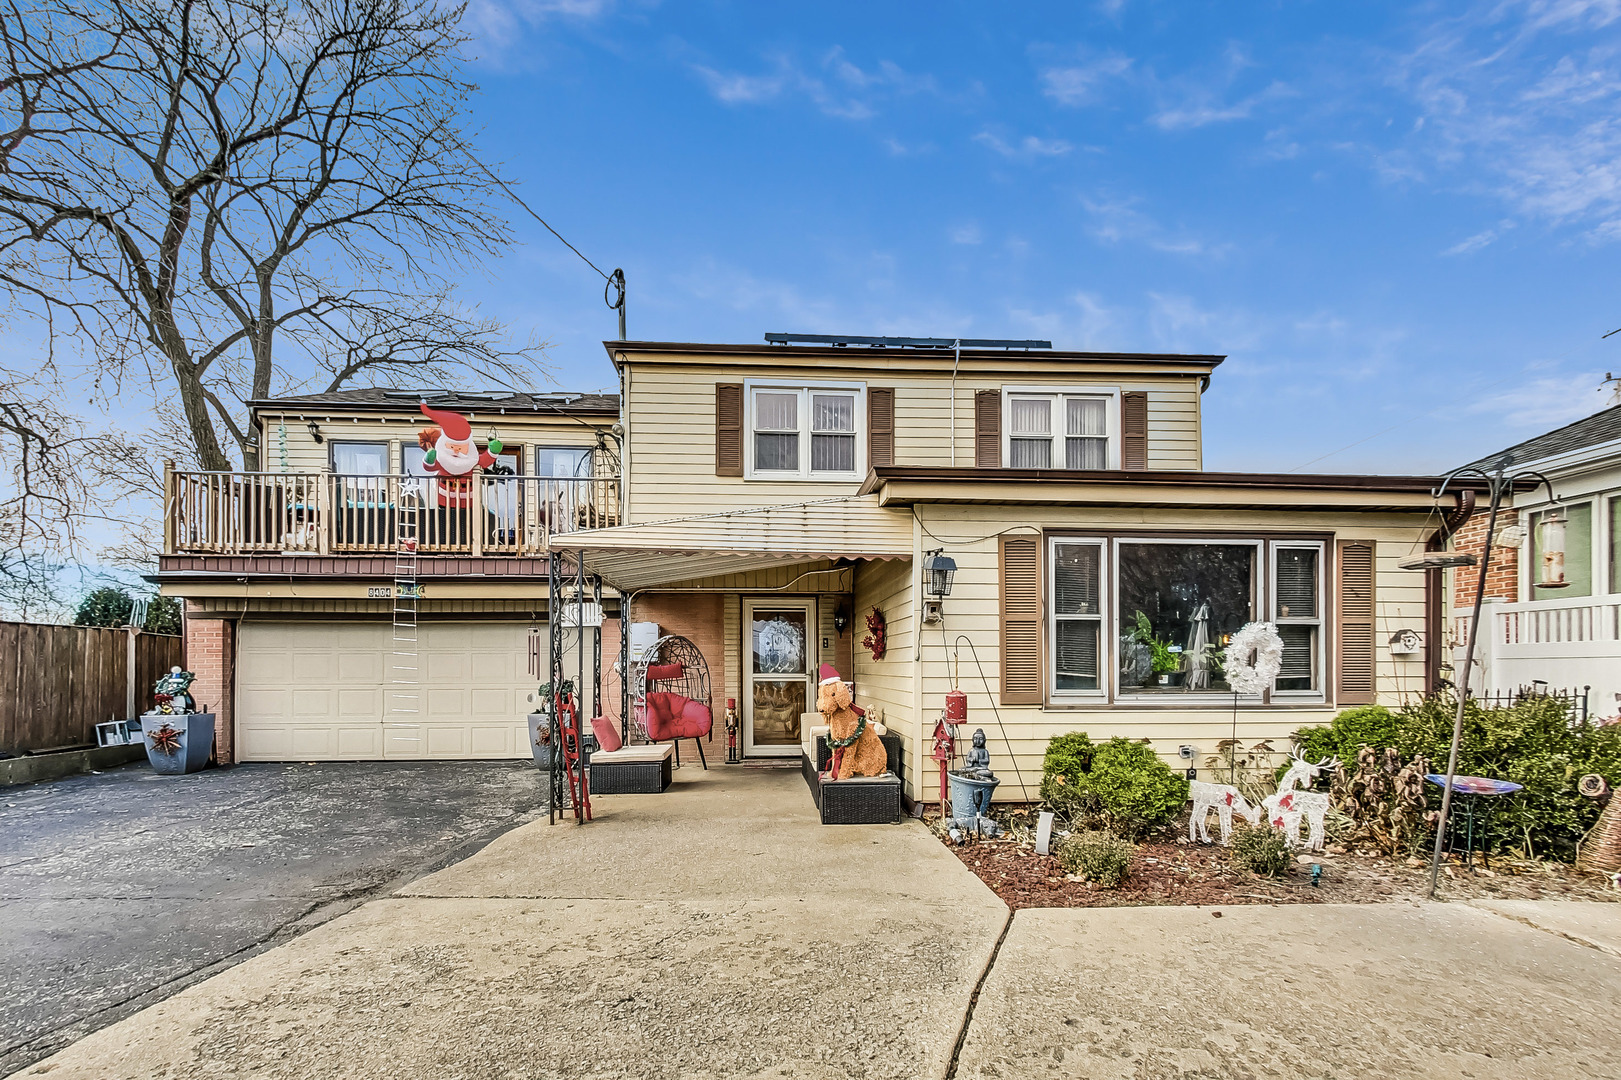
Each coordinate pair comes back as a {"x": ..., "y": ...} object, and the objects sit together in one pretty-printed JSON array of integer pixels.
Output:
[
  {"x": 805, "y": 432},
  {"x": 1060, "y": 430},
  {"x": 360, "y": 458}
]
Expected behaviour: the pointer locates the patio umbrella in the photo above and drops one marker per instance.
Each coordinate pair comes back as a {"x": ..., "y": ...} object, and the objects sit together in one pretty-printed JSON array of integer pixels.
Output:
[{"x": 1198, "y": 664}]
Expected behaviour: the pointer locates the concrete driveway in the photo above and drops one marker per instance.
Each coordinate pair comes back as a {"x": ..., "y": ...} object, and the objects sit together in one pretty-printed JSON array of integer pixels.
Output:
[
  {"x": 119, "y": 889},
  {"x": 718, "y": 931}
]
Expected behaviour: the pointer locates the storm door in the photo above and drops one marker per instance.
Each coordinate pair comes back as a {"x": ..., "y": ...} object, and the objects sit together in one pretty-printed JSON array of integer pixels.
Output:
[{"x": 779, "y": 659}]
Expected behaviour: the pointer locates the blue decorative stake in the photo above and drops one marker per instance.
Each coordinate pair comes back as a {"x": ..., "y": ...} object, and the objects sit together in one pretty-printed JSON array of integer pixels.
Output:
[{"x": 1316, "y": 875}]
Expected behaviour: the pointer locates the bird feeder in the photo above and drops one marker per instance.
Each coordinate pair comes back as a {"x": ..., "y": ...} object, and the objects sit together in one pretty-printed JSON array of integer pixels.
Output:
[{"x": 1551, "y": 543}]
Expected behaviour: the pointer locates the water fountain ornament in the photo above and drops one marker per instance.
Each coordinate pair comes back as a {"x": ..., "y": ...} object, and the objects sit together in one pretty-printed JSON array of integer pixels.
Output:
[{"x": 971, "y": 789}]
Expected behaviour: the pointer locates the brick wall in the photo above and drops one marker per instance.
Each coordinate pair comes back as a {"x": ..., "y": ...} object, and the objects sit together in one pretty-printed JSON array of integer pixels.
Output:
[
  {"x": 211, "y": 656},
  {"x": 1502, "y": 576},
  {"x": 698, "y": 616}
]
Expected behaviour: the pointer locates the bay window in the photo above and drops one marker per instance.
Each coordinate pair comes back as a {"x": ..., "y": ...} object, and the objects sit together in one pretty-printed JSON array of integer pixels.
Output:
[
  {"x": 1158, "y": 614},
  {"x": 1058, "y": 431},
  {"x": 804, "y": 432}
]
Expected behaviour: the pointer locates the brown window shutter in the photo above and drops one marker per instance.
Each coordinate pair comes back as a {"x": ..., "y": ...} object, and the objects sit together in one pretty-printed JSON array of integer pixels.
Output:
[
  {"x": 1354, "y": 640},
  {"x": 880, "y": 426},
  {"x": 1021, "y": 620},
  {"x": 728, "y": 429},
  {"x": 1134, "y": 430},
  {"x": 987, "y": 429}
]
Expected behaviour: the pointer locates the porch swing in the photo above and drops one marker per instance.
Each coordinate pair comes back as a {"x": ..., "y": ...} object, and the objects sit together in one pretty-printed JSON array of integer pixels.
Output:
[{"x": 672, "y": 700}]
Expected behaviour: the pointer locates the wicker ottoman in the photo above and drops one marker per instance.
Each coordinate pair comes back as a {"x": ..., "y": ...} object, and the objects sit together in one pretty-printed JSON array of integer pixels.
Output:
[
  {"x": 892, "y": 746},
  {"x": 861, "y": 800},
  {"x": 632, "y": 770}
]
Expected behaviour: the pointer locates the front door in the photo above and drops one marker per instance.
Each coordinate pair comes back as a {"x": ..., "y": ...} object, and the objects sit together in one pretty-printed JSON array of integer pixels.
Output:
[{"x": 779, "y": 647}]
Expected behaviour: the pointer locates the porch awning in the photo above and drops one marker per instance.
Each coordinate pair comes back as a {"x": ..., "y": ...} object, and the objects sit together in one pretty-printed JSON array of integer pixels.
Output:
[{"x": 653, "y": 553}]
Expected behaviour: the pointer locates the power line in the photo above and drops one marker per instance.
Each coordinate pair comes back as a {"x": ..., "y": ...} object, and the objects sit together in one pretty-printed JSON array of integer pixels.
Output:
[{"x": 515, "y": 198}]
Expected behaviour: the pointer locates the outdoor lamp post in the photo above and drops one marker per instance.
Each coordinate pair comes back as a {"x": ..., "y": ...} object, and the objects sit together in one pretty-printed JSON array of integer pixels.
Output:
[
  {"x": 1551, "y": 542},
  {"x": 938, "y": 570},
  {"x": 1499, "y": 483}
]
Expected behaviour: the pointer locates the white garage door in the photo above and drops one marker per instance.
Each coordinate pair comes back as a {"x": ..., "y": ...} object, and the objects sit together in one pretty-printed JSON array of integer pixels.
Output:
[{"x": 311, "y": 691}]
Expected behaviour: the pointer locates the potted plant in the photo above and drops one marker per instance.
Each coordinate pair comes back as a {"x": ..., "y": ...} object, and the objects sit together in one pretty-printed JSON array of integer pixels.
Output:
[
  {"x": 1165, "y": 659},
  {"x": 540, "y": 721},
  {"x": 178, "y": 738}
]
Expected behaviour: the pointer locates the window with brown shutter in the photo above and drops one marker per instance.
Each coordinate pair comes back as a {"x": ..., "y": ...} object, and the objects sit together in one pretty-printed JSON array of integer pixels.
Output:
[
  {"x": 1134, "y": 430},
  {"x": 1354, "y": 640},
  {"x": 728, "y": 429},
  {"x": 987, "y": 429},
  {"x": 880, "y": 426},
  {"x": 1021, "y": 620}
]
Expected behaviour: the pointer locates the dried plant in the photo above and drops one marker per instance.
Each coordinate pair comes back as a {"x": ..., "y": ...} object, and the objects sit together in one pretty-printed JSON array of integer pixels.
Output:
[
  {"x": 1385, "y": 800},
  {"x": 165, "y": 740}
]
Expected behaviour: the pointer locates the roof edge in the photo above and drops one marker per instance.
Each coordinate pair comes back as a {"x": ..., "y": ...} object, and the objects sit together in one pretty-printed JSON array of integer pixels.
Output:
[
  {"x": 1207, "y": 361},
  {"x": 881, "y": 475}
]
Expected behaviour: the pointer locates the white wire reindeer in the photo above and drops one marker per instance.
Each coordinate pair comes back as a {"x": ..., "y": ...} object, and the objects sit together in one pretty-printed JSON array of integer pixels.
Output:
[
  {"x": 1224, "y": 799},
  {"x": 1285, "y": 808}
]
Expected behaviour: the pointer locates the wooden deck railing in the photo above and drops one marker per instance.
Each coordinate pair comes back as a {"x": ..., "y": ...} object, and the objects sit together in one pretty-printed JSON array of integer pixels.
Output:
[{"x": 240, "y": 513}]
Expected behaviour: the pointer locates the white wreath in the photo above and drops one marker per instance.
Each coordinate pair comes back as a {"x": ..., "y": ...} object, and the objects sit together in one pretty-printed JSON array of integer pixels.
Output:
[{"x": 1253, "y": 658}]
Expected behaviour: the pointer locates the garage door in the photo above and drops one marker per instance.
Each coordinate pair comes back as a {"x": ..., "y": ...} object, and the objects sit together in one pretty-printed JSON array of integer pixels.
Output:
[{"x": 320, "y": 692}]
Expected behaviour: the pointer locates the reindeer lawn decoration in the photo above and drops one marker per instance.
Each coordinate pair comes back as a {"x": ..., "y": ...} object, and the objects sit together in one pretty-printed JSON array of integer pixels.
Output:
[
  {"x": 1224, "y": 799},
  {"x": 1285, "y": 808}
]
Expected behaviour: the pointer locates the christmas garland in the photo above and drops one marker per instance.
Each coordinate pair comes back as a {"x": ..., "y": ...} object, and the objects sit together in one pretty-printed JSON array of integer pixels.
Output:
[
  {"x": 840, "y": 744},
  {"x": 1253, "y": 658}
]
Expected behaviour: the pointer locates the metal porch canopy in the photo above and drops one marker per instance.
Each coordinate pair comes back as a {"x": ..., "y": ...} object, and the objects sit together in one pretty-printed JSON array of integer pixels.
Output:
[{"x": 649, "y": 554}]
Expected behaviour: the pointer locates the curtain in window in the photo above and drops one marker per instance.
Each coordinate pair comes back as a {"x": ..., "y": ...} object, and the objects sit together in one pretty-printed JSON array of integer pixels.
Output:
[
  {"x": 832, "y": 415},
  {"x": 1086, "y": 445},
  {"x": 833, "y": 412},
  {"x": 1075, "y": 579},
  {"x": 563, "y": 461},
  {"x": 776, "y": 412},
  {"x": 359, "y": 459},
  {"x": 1030, "y": 416},
  {"x": 833, "y": 453}
]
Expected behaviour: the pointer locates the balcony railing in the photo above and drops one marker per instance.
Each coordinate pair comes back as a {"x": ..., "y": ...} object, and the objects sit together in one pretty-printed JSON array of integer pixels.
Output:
[
  {"x": 1555, "y": 627},
  {"x": 238, "y": 513}
]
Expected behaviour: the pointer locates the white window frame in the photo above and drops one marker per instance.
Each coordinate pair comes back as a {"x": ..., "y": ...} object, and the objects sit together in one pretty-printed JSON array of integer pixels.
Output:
[
  {"x": 1319, "y": 621},
  {"x": 1057, "y": 394},
  {"x": 1050, "y": 603},
  {"x": 805, "y": 389}
]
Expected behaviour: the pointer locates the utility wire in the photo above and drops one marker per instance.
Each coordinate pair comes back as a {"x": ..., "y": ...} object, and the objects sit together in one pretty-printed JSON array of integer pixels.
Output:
[{"x": 515, "y": 198}]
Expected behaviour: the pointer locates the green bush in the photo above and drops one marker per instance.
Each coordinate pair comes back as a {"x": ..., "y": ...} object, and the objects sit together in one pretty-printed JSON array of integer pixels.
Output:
[
  {"x": 1260, "y": 850},
  {"x": 1121, "y": 784},
  {"x": 1533, "y": 742},
  {"x": 1099, "y": 857}
]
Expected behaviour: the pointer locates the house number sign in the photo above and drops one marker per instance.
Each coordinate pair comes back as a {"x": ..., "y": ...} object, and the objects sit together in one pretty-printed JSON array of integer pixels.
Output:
[{"x": 384, "y": 592}]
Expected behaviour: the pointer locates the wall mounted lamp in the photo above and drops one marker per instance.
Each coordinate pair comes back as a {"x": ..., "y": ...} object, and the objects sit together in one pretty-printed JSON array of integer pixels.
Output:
[
  {"x": 315, "y": 432},
  {"x": 938, "y": 570}
]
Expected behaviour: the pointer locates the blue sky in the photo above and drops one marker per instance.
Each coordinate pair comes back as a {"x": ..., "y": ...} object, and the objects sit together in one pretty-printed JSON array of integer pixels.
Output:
[{"x": 1401, "y": 222}]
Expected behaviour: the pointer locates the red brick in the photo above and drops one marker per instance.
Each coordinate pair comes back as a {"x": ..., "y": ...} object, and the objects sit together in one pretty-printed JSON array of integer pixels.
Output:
[{"x": 211, "y": 656}]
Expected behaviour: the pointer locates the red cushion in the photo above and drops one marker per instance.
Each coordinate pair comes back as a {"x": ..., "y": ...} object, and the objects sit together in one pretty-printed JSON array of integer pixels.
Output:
[
  {"x": 672, "y": 716},
  {"x": 658, "y": 672},
  {"x": 607, "y": 734}
]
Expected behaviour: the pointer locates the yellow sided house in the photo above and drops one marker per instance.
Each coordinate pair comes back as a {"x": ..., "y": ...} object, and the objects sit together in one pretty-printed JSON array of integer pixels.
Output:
[{"x": 785, "y": 505}]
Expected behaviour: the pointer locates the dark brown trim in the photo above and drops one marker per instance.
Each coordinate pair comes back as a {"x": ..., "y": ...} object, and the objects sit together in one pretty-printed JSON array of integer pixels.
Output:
[
  {"x": 618, "y": 351},
  {"x": 1167, "y": 478}
]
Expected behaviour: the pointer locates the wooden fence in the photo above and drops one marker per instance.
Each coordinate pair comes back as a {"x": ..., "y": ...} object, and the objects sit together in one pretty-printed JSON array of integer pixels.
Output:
[{"x": 58, "y": 682}]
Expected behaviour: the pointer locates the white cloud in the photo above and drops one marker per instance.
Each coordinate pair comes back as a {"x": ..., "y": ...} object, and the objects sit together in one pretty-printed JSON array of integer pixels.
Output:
[
  {"x": 1080, "y": 84},
  {"x": 1544, "y": 403},
  {"x": 1027, "y": 148},
  {"x": 1471, "y": 244},
  {"x": 741, "y": 89},
  {"x": 842, "y": 89},
  {"x": 966, "y": 234},
  {"x": 1116, "y": 221},
  {"x": 1204, "y": 107}
]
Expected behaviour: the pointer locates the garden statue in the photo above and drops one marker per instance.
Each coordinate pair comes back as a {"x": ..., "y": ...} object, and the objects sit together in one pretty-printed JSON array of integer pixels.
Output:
[
  {"x": 854, "y": 741},
  {"x": 971, "y": 789},
  {"x": 1224, "y": 799},
  {"x": 1285, "y": 808},
  {"x": 171, "y": 692}
]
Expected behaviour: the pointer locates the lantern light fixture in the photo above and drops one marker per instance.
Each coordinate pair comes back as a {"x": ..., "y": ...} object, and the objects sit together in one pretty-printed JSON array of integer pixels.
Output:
[
  {"x": 315, "y": 432},
  {"x": 841, "y": 619},
  {"x": 938, "y": 570}
]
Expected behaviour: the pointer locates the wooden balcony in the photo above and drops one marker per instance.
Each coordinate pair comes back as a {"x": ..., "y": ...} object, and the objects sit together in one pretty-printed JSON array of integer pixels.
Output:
[{"x": 240, "y": 513}]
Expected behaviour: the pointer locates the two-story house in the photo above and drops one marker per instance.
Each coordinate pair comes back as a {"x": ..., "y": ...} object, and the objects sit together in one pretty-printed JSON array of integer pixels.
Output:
[{"x": 771, "y": 502}]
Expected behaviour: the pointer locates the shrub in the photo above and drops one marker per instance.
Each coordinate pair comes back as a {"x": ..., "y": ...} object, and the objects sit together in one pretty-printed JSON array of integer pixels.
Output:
[
  {"x": 1135, "y": 789},
  {"x": 1099, "y": 857},
  {"x": 1260, "y": 850},
  {"x": 1532, "y": 742},
  {"x": 1063, "y": 779}
]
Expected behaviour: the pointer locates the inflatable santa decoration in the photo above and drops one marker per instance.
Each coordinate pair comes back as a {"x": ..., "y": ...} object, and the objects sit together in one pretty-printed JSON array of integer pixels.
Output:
[{"x": 449, "y": 451}]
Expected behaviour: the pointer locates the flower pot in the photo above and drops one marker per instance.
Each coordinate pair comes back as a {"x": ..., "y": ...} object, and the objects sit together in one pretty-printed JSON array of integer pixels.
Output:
[
  {"x": 187, "y": 751},
  {"x": 970, "y": 797},
  {"x": 1171, "y": 678}
]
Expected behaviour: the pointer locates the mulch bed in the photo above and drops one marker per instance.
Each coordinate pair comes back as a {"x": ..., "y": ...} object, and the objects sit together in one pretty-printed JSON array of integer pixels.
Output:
[
  {"x": 1178, "y": 873},
  {"x": 1160, "y": 874}
]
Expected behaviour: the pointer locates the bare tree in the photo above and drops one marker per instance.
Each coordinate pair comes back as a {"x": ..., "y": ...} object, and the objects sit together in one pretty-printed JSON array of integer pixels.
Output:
[{"x": 234, "y": 198}]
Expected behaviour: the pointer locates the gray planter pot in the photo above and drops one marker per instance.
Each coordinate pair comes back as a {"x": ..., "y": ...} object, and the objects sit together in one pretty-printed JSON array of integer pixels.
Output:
[
  {"x": 970, "y": 798},
  {"x": 543, "y": 754},
  {"x": 196, "y": 732}
]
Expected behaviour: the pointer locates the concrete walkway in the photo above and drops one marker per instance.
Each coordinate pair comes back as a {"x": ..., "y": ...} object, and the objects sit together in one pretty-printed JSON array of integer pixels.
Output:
[
  {"x": 718, "y": 931},
  {"x": 714, "y": 930}
]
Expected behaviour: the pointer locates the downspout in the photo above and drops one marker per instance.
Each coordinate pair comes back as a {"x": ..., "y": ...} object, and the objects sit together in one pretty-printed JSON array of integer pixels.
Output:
[{"x": 1434, "y": 606}]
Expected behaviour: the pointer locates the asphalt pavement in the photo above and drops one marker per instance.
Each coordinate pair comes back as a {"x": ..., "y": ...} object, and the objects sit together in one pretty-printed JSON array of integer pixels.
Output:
[{"x": 121, "y": 888}]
